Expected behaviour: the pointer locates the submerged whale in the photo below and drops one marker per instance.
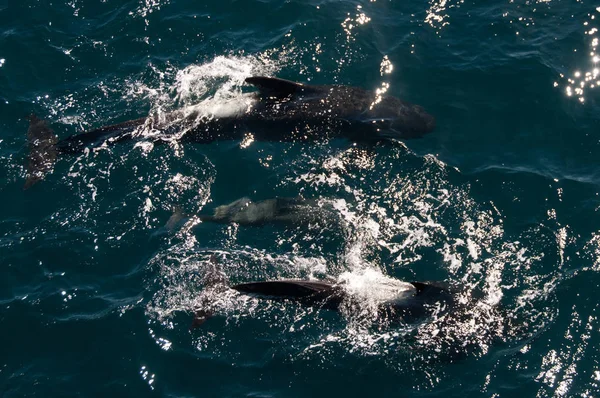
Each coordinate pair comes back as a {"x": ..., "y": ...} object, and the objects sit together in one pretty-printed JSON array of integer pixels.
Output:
[
  {"x": 244, "y": 211},
  {"x": 280, "y": 110},
  {"x": 396, "y": 300},
  {"x": 280, "y": 210}
]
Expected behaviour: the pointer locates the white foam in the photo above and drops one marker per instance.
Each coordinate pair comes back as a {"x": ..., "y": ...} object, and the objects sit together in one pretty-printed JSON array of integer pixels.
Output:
[
  {"x": 372, "y": 287},
  {"x": 230, "y": 72},
  {"x": 147, "y": 7},
  {"x": 221, "y": 108}
]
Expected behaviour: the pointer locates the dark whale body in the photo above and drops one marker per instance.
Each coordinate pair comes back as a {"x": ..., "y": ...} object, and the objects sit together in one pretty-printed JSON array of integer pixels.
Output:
[
  {"x": 401, "y": 300},
  {"x": 448, "y": 321},
  {"x": 280, "y": 110},
  {"x": 408, "y": 303}
]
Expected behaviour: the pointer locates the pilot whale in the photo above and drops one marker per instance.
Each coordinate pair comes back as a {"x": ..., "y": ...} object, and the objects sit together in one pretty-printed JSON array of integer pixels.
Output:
[
  {"x": 279, "y": 210},
  {"x": 245, "y": 211},
  {"x": 395, "y": 299},
  {"x": 280, "y": 110}
]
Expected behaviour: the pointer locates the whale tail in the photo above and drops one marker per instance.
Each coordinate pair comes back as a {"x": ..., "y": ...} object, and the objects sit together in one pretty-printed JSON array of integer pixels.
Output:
[{"x": 42, "y": 150}]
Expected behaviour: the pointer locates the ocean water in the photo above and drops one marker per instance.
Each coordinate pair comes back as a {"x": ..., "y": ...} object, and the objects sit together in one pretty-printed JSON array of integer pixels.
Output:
[{"x": 98, "y": 289}]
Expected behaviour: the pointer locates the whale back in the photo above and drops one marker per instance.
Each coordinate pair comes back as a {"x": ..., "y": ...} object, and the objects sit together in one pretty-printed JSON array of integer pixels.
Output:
[
  {"x": 311, "y": 293},
  {"x": 429, "y": 298},
  {"x": 361, "y": 114}
]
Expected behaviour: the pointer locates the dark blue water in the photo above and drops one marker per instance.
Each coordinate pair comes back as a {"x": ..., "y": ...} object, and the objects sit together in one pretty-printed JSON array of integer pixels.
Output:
[{"x": 97, "y": 294}]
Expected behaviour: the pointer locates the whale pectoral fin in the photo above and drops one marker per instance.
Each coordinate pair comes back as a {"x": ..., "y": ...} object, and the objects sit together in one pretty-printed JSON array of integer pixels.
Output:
[
  {"x": 274, "y": 87},
  {"x": 42, "y": 150}
]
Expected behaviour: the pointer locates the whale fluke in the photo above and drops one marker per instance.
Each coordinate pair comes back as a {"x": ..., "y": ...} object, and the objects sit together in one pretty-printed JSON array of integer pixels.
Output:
[
  {"x": 44, "y": 146},
  {"x": 42, "y": 152}
]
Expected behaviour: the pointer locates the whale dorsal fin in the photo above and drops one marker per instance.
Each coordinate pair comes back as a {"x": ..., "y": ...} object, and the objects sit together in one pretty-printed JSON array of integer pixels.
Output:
[{"x": 274, "y": 87}]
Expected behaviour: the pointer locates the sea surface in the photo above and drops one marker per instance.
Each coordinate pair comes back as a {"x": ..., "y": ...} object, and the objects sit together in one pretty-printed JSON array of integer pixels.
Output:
[{"x": 99, "y": 283}]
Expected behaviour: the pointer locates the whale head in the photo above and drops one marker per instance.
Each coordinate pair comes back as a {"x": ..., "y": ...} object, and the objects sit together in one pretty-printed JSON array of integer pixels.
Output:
[{"x": 393, "y": 118}]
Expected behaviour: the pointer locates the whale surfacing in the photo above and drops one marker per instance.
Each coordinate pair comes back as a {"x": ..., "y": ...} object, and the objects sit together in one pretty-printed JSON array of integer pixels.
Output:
[
  {"x": 280, "y": 110},
  {"x": 392, "y": 298}
]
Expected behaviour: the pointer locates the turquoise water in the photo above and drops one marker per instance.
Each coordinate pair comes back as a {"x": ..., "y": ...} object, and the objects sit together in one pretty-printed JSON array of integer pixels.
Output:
[{"x": 96, "y": 294}]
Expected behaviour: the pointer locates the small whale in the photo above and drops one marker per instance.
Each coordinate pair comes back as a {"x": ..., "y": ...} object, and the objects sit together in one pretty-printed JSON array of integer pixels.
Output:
[
  {"x": 293, "y": 213},
  {"x": 281, "y": 110},
  {"x": 290, "y": 211},
  {"x": 395, "y": 299}
]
